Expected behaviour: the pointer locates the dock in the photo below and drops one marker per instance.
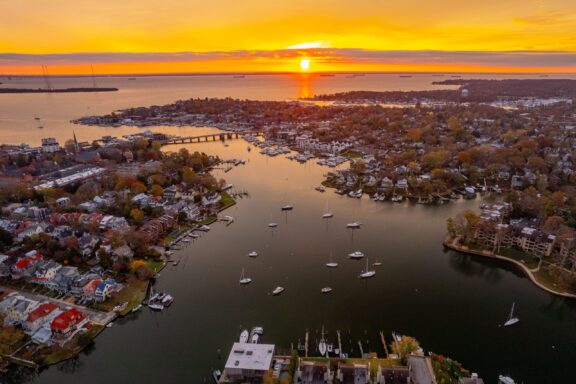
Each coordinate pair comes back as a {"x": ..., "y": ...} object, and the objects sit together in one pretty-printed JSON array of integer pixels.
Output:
[
  {"x": 306, "y": 344},
  {"x": 383, "y": 340},
  {"x": 339, "y": 344},
  {"x": 361, "y": 349}
]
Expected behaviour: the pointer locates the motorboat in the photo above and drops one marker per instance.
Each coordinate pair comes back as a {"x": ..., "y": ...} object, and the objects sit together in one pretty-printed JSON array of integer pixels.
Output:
[
  {"x": 244, "y": 280},
  {"x": 253, "y": 254},
  {"x": 331, "y": 263},
  {"x": 287, "y": 207},
  {"x": 366, "y": 274},
  {"x": 326, "y": 290},
  {"x": 216, "y": 375},
  {"x": 511, "y": 319},
  {"x": 167, "y": 300},
  {"x": 136, "y": 308},
  {"x": 277, "y": 291},
  {"x": 354, "y": 225},
  {"x": 273, "y": 224},
  {"x": 505, "y": 380},
  {"x": 254, "y": 338},
  {"x": 258, "y": 330},
  {"x": 244, "y": 335},
  {"x": 156, "y": 306},
  {"x": 376, "y": 264},
  {"x": 328, "y": 215},
  {"x": 321, "y": 188},
  {"x": 203, "y": 228},
  {"x": 356, "y": 255}
]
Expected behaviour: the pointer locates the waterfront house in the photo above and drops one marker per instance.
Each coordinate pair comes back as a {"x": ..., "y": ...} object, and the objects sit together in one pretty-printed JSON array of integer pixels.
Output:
[
  {"x": 105, "y": 289},
  {"x": 393, "y": 375},
  {"x": 63, "y": 280},
  {"x": 66, "y": 324},
  {"x": 25, "y": 266},
  {"x": 44, "y": 334},
  {"x": 89, "y": 289},
  {"x": 36, "y": 318},
  {"x": 29, "y": 231},
  {"x": 313, "y": 372},
  {"x": 46, "y": 271},
  {"x": 211, "y": 199},
  {"x": 247, "y": 363},
  {"x": 63, "y": 202},
  {"x": 354, "y": 373}
]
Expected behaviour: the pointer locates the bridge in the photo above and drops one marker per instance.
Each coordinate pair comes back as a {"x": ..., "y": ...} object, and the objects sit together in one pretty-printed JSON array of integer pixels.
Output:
[{"x": 223, "y": 136}]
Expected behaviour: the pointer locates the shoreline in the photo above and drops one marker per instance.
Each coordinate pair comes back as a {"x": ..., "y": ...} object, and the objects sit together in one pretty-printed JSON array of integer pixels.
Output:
[{"x": 453, "y": 244}]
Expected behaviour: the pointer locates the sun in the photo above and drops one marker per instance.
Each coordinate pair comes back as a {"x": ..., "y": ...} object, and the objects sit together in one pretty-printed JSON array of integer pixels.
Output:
[{"x": 305, "y": 64}]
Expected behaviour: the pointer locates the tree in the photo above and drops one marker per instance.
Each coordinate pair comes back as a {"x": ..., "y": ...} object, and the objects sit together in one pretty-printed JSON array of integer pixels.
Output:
[
  {"x": 137, "y": 215},
  {"x": 189, "y": 176},
  {"x": 553, "y": 224},
  {"x": 5, "y": 239},
  {"x": 141, "y": 269},
  {"x": 157, "y": 190},
  {"x": 70, "y": 146},
  {"x": 404, "y": 347}
]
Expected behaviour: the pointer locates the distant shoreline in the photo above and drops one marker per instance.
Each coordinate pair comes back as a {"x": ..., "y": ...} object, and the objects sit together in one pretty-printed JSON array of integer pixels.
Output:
[{"x": 57, "y": 90}]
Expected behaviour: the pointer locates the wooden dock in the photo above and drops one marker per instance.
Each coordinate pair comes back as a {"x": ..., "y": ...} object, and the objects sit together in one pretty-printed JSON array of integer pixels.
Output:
[
  {"x": 306, "y": 344},
  {"x": 383, "y": 340},
  {"x": 339, "y": 344}
]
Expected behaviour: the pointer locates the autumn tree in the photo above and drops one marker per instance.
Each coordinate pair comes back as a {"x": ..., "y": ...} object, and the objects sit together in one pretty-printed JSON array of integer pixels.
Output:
[{"x": 405, "y": 347}]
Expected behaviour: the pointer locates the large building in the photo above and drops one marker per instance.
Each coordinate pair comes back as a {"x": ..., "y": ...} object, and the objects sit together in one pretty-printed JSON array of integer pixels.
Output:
[{"x": 247, "y": 363}]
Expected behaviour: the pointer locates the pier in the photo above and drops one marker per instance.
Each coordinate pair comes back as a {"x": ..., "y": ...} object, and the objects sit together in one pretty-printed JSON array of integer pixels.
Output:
[
  {"x": 306, "y": 344},
  {"x": 383, "y": 340},
  {"x": 223, "y": 136},
  {"x": 339, "y": 344}
]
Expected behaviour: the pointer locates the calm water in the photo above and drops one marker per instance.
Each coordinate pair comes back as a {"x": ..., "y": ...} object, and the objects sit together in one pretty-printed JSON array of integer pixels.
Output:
[{"x": 452, "y": 303}]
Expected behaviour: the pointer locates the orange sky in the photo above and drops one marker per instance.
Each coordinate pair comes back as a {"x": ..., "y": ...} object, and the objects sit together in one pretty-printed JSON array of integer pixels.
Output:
[{"x": 273, "y": 35}]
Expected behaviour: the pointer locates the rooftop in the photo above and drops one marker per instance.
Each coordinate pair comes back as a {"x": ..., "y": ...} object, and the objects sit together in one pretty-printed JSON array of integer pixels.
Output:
[{"x": 250, "y": 356}]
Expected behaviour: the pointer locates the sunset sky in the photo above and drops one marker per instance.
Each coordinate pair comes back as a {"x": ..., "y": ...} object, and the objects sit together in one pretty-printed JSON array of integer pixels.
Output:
[{"x": 145, "y": 36}]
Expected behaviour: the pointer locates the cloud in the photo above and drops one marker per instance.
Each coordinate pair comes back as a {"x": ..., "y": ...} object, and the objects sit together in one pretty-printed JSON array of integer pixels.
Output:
[
  {"x": 520, "y": 59},
  {"x": 543, "y": 19}
]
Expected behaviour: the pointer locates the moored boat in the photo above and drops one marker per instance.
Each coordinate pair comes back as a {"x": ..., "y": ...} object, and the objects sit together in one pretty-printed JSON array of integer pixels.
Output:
[
  {"x": 253, "y": 254},
  {"x": 244, "y": 335},
  {"x": 278, "y": 290},
  {"x": 326, "y": 290},
  {"x": 354, "y": 225},
  {"x": 366, "y": 274},
  {"x": 356, "y": 255}
]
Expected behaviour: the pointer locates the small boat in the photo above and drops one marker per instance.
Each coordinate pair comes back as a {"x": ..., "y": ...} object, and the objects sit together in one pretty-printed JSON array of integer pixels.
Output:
[
  {"x": 254, "y": 338},
  {"x": 287, "y": 207},
  {"x": 331, "y": 263},
  {"x": 366, "y": 274},
  {"x": 511, "y": 319},
  {"x": 203, "y": 228},
  {"x": 330, "y": 348},
  {"x": 277, "y": 291},
  {"x": 321, "y": 188},
  {"x": 505, "y": 380},
  {"x": 376, "y": 264},
  {"x": 322, "y": 344},
  {"x": 356, "y": 255},
  {"x": 40, "y": 126},
  {"x": 248, "y": 149},
  {"x": 326, "y": 290},
  {"x": 273, "y": 224},
  {"x": 194, "y": 235},
  {"x": 258, "y": 330},
  {"x": 136, "y": 308},
  {"x": 216, "y": 375},
  {"x": 110, "y": 324},
  {"x": 185, "y": 240},
  {"x": 243, "y": 279},
  {"x": 244, "y": 335},
  {"x": 354, "y": 225},
  {"x": 156, "y": 306},
  {"x": 167, "y": 300},
  {"x": 36, "y": 118},
  {"x": 328, "y": 215},
  {"x": 253, "y": 254},
  {"x": 176, "y": 262}
]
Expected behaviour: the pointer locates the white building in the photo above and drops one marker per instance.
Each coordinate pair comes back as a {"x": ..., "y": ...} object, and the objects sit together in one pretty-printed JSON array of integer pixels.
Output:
[
  {"x": 50, "y": 145},
  {"x": 247, "y": 362}
]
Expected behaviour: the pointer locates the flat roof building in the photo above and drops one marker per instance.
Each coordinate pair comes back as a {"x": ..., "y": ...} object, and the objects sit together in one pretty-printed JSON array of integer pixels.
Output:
[{"x": 247, "y": 362}]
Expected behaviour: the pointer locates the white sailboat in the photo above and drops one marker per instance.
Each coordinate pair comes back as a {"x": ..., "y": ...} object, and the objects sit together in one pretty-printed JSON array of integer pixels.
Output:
[
  {"x": 278, "y": 290},
  {"x": 354, "y": 225},
  {"x": 322, "y": 344},
  {"x": 326, "y": 290},
  {"x": 331, "y": 263},
  {"x": 253, "y": 254},
  {"x": 327, "y": 214},
  {"x": 511, "y": 319},
  {"x": 356, "y": 255},
  {"x": 505, "y": 380},
  {"x": 287, "y": 207},
  {"x": 366, "y": 274},
  {"x": 243, "y": 279}
]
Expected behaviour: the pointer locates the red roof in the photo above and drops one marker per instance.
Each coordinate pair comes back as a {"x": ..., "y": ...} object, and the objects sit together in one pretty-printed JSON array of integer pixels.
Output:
[
  {"x": 24, "y": 262},
  {"x": 66, "y": 319},
  {"x": 42, "y": 311},
  {"x": 92, "y": 284}
]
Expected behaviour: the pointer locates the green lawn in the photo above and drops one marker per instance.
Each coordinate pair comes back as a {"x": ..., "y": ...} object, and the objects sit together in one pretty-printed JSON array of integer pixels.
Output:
[
  {"x": 227, "y": 200},
  {"x": 530, "y": 261}
]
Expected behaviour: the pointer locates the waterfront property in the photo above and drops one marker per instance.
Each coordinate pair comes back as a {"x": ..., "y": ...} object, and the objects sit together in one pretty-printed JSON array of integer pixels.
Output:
[{"x": 247, "y": 362}]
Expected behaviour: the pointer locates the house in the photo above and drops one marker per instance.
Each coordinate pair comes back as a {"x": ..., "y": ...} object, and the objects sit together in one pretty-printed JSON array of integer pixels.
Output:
[
  {"x": 89, "y": 289},
  {"x": 46, "y": 271},
  {"x": 313, "y": 372},
  {"x": 211, "y": 199},
  {"x": 63, "y": 280},
  {"x": 26, "y": 266},
  {"x": 393, "y": 375},
  {"x": 38, "y": 317},
  {"x": 4, "y": 265},
  {"x": 402, "y": 183},
  {"x": 105, "y": 289},
  {"x": 42, "y": 335},
  {"x": 16, "y": 307},
  {"x": 353, "y": 373},
  {"x": 247, "y": 363},
  {"x": 32, "y": 229},
  {"x": 141, "y": 199},
  {"x": 113, "y": 222},
  {"x": 63, "y": 202},
  {"x": 66, "y": 324}
]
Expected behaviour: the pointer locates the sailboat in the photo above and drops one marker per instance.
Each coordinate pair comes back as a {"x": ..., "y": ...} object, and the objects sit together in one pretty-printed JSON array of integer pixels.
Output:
[
  {"x": 331, "y": 263},
  {"x": 327, "y": 214},
  {"x": 511, "y": 319},
  {"x": 367, "y": 273},
  {"x": 287, "y": 207},
  {"x": 253, "y": 254},
  {"x": 322, "y": 344},
  {"x": 278, "y": 290},
  {"x": 354, "y": 225},
  {"x": 326, "y": 290},
  {"x": 356, "y": 255},
  {"x": 243, "y": 279}
]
